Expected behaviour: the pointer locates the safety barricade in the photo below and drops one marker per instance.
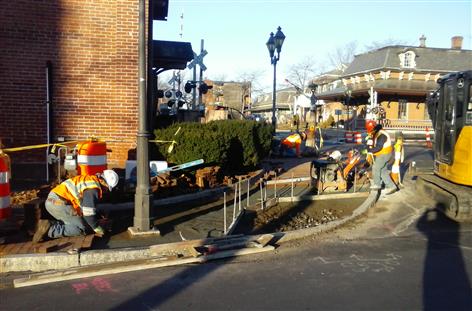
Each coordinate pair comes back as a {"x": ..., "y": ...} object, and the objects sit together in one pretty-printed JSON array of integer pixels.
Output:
[
  {"x": 358, "y": 138},
  {"x": 91, "y": 157},
  {"x": 349, "y": 136},
  {"x": 5, "y": 207},
  {"x": 429, "y": 144}
]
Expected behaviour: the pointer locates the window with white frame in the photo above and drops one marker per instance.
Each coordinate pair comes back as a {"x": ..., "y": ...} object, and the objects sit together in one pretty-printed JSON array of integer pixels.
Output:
[
  {"x": 402, "y": 109},
  {"x": 407, "y": 59}
]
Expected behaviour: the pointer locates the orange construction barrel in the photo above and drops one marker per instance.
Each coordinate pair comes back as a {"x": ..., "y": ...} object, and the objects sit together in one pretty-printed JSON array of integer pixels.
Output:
[
  {"x": 91, "y": 157},
  {"x": 5, "y": 207}
]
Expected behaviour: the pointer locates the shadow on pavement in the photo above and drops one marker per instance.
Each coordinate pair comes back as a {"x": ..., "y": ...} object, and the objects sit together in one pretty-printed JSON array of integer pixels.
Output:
[{"x": 446, "y": 285}]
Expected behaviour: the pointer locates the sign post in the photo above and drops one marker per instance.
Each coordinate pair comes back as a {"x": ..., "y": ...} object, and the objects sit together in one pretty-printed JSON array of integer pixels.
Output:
[
  {"x": 338, "y": 112},
  {"x": 197, "y": 60}
]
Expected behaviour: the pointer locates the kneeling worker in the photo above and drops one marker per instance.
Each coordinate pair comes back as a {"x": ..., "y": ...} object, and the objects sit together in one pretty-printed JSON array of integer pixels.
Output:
[
  {"x": 72, "y": 204},
  {"x": 293, "y": 141}
]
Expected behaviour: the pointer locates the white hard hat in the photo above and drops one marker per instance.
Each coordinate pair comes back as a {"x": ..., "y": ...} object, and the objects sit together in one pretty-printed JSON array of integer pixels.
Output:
[
  {"x": 336, "y": 155},
  {"x": 111, "y": 178}
]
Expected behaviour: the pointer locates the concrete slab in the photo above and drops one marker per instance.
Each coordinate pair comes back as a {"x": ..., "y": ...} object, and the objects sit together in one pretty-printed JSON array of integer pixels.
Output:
[{"x": 38, "y": 262}]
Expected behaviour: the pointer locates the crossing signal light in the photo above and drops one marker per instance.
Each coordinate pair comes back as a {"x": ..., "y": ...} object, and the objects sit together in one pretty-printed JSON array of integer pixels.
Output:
[
  {"x": 204, "y": 88},
  {"x": 160, "y": 93},
  {"x": 189, "y": 86},
  {"x": 168, "y": 94}
]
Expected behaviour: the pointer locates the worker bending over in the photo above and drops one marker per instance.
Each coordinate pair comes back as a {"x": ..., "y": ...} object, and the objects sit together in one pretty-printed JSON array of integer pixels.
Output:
[
  {"x": 72, "y": 204},
  {"x": 381, "y": 149},
  {"x": 293, "y": 141}
]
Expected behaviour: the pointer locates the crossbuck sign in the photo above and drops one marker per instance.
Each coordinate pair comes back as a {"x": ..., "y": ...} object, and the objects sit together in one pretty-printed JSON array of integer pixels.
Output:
[{"x": 198, "y": 60}]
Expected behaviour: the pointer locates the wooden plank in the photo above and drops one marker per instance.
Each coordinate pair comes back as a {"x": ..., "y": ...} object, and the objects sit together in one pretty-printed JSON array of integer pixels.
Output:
[
  {"x": 184, "y": 245},
  {"x": 77, "y": 242},
  {"x": 45, "y": 247},
  {"x": 8, "y": 248},
  {"x": 87, "y": 242},
  {"x": 64, "y": 244},
  {"x": 24, "y": 248},
  {"x": 84, "y": 272}
]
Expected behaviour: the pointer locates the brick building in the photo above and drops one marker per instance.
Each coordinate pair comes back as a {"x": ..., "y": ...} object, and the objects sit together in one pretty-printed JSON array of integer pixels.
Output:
[{"x": 92, "y": 49}]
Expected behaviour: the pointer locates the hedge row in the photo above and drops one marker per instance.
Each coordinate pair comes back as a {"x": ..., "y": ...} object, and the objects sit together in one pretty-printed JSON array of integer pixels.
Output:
[{"x": 231, "y": 144}]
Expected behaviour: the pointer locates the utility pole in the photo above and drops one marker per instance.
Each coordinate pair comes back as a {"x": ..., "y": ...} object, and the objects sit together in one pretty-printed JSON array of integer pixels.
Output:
[{"x": 200, "y": 95}]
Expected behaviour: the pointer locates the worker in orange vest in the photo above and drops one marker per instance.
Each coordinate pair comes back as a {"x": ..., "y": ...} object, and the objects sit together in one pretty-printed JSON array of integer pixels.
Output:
[
  {"x": 72, "y": 204},
  {"x": 293, "y": 141},
  {"x": 382, "y": 150}
]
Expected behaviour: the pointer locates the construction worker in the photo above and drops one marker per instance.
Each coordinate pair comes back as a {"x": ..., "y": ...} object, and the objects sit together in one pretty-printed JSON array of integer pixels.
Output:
[
  {"x": 293, "y": 141},
  {"x": 72, "y": 204},
  {"x": 381, "y": 149},
  {"x": 399, "y": 157}
]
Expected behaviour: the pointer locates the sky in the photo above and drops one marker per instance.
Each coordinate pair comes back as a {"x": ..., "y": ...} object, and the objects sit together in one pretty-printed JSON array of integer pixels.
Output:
[{"x": 235, "y": 31}]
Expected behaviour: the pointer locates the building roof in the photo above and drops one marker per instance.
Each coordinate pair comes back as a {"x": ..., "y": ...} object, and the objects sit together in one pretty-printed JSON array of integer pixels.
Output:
[
  {"x": 285, "y": 98},
  {"x": 427, "y": 59}
]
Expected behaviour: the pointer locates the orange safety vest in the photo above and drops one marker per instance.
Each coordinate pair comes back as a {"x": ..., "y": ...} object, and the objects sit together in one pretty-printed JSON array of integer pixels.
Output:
[
  {"x": 72, "y": 189},
  {"x": 387, "y": 146},
  {"x": 294, "y": 139}
]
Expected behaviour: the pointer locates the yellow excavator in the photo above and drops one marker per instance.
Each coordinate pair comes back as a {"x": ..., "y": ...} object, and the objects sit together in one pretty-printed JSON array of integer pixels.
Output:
[{"x": 450, "y": 109}]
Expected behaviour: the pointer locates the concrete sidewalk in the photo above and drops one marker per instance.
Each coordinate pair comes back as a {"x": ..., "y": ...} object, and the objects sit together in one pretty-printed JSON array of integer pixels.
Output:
[{"x": 122, "y": 248}]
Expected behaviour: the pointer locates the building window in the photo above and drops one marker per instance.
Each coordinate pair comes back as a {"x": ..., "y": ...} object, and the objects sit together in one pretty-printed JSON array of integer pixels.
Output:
[
  {"x": 407, "y": 59},
  {"x": 402, "y": 109}
]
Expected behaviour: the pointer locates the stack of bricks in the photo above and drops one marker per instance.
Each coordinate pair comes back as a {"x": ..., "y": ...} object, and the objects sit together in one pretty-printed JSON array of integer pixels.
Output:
[{"x": 208, "y": 177}]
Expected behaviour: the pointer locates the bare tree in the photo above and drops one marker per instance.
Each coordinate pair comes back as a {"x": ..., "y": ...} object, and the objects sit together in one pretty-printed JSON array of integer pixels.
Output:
[
  {"x": 253, "y": 78},
  {"x": 302, "y": 72},
  {"x": 344, "y": 54}
]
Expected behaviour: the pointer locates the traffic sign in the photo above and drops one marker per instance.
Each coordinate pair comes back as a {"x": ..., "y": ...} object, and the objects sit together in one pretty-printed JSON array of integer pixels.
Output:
[
  {"x": 198, "y": 60},
  {"x": 338, "y": 112}
]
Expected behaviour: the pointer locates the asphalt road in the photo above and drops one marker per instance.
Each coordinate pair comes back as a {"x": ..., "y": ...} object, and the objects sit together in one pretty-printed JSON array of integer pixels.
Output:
[{"x": 372, "y": 264}]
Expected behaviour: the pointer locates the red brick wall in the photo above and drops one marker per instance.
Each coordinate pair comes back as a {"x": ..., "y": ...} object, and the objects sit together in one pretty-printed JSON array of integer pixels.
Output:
[{"x": 93, "y": 48}]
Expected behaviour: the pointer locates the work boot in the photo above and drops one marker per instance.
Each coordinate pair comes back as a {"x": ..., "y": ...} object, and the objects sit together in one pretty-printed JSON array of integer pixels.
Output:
[{"x": 42, "y": 230}]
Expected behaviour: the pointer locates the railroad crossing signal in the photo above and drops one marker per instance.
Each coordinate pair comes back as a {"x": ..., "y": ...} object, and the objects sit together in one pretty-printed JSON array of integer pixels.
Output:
[
  {"x": 175, "y": 78},
  {"x": 198, "y": 60}
]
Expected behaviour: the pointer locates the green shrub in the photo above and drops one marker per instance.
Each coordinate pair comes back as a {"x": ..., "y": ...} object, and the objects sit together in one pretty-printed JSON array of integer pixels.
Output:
[{"x": 231, "y": 144}]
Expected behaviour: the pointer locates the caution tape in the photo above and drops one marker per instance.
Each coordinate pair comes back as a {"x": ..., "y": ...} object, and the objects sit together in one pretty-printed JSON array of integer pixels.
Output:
[
  {"x": 172, "y": 143},
  {"x": 63, "y": 144}
]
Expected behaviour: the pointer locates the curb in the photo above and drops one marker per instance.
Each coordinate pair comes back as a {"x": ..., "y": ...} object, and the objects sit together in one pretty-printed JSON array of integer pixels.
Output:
[{"x": 56, "y": 261}]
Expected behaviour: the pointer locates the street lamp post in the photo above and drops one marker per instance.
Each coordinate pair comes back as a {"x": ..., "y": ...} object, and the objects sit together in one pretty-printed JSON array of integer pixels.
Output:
[
  {"x": 275, "y": 44},
  {"x": 313, "y": 100}
]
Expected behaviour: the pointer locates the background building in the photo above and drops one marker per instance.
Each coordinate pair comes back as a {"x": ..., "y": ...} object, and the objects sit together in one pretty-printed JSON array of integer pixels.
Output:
[{"x": 396, "y": 80}]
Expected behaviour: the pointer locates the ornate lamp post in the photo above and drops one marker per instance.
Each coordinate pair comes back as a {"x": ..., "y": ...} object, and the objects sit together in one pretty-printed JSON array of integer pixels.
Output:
[
  {"x": 313, "y": 100},
  {"x": 275, "y": 44}
]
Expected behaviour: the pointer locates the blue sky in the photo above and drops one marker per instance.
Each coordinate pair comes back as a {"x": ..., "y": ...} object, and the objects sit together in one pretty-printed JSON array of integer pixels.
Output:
[{"x": 235, "y": 31}]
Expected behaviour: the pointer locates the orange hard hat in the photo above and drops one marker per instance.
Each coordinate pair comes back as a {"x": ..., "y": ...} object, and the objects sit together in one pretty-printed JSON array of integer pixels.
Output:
[{"x": 370, "y": 125}]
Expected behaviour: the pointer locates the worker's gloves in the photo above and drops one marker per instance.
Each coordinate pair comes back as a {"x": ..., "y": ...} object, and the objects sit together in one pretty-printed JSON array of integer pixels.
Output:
[{"x": 99, "y": 232}]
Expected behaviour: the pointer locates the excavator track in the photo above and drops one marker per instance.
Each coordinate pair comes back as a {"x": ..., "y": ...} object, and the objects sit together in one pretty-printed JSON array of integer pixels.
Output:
[{"x": 454, "y": 200}]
